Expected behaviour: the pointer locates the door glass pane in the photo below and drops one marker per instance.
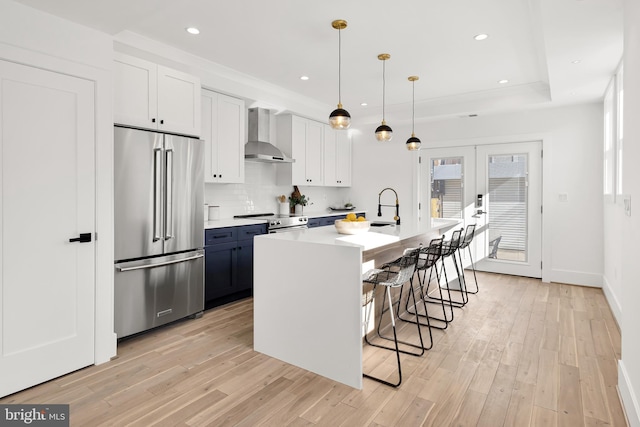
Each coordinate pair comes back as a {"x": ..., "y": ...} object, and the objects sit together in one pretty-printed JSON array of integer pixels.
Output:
[
  {"x": 508, "y": 207},
  {"x": 446, "y": 187}
]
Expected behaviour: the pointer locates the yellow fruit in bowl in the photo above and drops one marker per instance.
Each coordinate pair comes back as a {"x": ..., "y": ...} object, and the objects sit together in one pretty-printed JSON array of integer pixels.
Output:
[
  {"x": 351, "y": 216},
  {"x": 361, "y": 218}
]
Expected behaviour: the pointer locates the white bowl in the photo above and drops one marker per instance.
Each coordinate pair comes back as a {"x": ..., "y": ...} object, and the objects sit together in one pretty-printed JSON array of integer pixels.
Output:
[{"x": 352, "y": 227}]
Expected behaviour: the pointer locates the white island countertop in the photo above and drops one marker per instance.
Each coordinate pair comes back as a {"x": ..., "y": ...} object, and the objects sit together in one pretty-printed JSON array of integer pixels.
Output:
[
  {"x": 307, "y": 293},
  {"x": 372, "y": 239}
]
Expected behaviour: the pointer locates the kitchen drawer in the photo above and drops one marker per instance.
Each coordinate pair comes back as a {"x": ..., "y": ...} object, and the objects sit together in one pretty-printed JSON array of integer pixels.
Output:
[
  {"x": 313, "y": 222},
  {"x": 330, "y": 220},
  {"x": 248, "y": 231},
  {"x": 213, "y": 236}
]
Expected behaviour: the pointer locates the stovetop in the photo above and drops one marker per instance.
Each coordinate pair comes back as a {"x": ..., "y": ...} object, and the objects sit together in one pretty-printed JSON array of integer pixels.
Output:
[{"x": 278, "y": 221}]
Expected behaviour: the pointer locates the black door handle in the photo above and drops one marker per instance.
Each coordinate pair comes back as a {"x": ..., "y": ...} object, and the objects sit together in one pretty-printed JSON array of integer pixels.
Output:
[{"x": 83, "y": 238}]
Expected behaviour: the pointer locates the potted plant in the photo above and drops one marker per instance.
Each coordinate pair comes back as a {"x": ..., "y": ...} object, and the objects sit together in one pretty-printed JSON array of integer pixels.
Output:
[{"x": 297, "y": 201}]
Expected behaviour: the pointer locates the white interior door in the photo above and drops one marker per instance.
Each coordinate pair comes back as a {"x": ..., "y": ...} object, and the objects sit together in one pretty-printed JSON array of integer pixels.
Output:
[
  {"x": 509, "y": 222},
  {"x": 47, "y": 197}
]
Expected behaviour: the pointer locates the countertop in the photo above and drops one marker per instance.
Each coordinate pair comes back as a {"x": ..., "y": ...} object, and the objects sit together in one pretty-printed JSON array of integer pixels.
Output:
[
  {"x": 236, "y": 222},
  {"x": 374, "y": 238}
]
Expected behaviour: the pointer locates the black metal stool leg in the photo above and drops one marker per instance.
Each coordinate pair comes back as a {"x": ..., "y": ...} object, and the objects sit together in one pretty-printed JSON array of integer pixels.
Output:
[{"x": 473, "y": 267}]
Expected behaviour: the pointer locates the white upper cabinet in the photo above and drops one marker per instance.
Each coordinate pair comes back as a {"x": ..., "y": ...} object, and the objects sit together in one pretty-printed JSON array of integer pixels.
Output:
[
  {"x": 337, "y": 158},
  {"x": 223, "y": 130},
  {"x": 152, "y": 96},
  {"x": 303, "y": 140}
]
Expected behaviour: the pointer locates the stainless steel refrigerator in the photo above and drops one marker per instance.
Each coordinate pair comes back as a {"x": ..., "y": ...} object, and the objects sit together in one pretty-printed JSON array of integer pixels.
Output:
[{"x": 159, "y": 237}]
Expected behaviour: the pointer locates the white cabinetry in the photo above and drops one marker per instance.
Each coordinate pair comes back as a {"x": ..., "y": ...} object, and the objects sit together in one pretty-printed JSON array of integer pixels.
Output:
[
  {"x": 223, "y": 130},
  {"x": 152, "y": 96},
  {"x": 337, "y": 158},
  {"x": 303, "y": 140}
]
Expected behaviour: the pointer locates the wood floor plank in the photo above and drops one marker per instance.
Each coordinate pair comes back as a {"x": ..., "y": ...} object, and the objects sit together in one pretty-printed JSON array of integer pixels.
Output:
[
  {"x": 570, "y": 408},
  {"x": 416, "y": 413},
  {"x": 497, "y": 404},
  {"x": 494, "y": 365},
  {"x": 592, "y": 389},
  {"x": 470, "y": 409},
  {"x": 568, "y": 354},
  {"x": 546, "y": 387},
  {"x": 393, "y": 410},
  {"x": 520, "y": 405},
  {"x": 543, "y": 417}
]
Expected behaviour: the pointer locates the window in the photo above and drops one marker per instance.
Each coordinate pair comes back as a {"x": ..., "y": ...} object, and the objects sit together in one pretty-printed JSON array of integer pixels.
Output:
[
  {"x": 619, "y": 128},
  {"x": 446, "y": 188},
  {"x": 609, "y": 153},
  {"x": 613, "y": 138}
]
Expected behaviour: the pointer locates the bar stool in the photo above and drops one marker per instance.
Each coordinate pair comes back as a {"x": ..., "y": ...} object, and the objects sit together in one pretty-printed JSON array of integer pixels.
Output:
[
  {"x": 466, "y": 241},
  {"x": 392, "y": 275},
  {"x": 428, "y": 260},
  {"x": 449, "y": 249}
]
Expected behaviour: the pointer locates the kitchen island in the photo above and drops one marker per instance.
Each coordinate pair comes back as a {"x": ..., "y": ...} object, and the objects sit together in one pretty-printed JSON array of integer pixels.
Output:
[{"x": 308, "y": 293}]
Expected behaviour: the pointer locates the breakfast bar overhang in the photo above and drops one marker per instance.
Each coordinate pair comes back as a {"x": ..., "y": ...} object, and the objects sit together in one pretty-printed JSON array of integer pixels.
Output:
[{"x": 308, "y": 293}]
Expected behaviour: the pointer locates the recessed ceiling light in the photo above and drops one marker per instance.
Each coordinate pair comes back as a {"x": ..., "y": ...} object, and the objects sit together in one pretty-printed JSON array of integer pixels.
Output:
[
  {"x": 503, "y": 81},
  {"x": 363, "y": 104},
  {"x": 192, "y": 30},
  {"x": 304, "y": 77},
  {"x": 577, "y": 61},
  {"x": 480, "y": 37}
]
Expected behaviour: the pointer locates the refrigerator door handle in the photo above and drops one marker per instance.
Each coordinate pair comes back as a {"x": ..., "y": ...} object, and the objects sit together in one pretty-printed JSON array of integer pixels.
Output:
[
  {"x": 157, "y": 193},
  {"x": 168, "y": 207},
  {"x": 160, "y": 264}
]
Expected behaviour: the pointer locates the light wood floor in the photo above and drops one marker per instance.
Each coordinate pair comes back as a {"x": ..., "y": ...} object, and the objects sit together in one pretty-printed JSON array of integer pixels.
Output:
[{"x": 520, "y": 353}]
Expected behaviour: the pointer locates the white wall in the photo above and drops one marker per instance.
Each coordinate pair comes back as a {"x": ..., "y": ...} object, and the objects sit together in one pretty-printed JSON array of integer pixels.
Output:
[
  {"x": 572, "y": 142},
  {"x": 42, "y": 40},
  {"x": 629, "y": 368}
]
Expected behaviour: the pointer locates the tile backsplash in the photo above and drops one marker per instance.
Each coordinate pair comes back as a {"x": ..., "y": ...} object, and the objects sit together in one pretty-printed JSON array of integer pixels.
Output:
[{"x": 259, "y": 191}]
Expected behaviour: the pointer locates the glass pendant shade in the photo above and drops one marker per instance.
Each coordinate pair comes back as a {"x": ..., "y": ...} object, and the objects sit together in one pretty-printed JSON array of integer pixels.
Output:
[
  {"x": 384, "y": 132},
  {"x": 413, "y": 143},
  {"x": 339, "y": 118}
]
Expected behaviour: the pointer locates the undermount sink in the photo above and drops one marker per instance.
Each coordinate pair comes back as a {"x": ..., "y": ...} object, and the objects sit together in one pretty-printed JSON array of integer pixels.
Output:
[{"x": 380, "y": 224}]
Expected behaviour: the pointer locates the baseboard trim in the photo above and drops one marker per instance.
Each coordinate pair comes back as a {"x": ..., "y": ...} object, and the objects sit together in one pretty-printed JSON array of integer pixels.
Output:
[
  {"x": 576, "y": 278},
  {"x": 614, "y": 303},
  {"x": 628, "y": 397}
]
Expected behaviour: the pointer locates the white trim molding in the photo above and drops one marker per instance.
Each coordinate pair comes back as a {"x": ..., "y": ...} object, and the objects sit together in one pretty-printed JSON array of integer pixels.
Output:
[{"x": 628, "y": 397}]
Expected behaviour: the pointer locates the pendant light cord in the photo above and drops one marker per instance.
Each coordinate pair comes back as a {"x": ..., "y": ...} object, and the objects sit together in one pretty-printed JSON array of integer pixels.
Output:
[
  {"x": 413, "y": 107},
  {"x": 383, "y": 87},
  {"x": 339, "y": 66}
]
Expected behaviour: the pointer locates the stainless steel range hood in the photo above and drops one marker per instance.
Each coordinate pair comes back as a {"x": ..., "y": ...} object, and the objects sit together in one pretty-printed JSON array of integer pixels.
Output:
[{"x": 258, "y": 148}]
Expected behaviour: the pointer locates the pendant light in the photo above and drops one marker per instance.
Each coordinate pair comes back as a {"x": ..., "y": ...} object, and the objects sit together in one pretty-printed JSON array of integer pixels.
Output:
[
  {"x": 339, "y": 118},
  {"x": 383, "y": 132},
  {"x": 413, "y": 143}
]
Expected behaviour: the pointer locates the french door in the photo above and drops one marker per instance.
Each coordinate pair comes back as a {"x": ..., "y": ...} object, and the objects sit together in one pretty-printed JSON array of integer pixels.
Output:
[{"x": 498, "y": 188}]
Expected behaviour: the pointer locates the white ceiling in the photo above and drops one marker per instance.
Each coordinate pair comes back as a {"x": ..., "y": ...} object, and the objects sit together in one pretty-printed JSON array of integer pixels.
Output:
[{"x": 532, "y": 43}]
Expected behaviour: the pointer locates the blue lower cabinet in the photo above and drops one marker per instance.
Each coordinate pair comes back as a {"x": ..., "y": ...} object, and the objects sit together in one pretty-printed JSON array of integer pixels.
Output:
[
  {"x": 219, "y": 270},
  {"x": 229, "y": 263},
  {"x": 245, "y": 265},
  {"x": 323, "y": 221}
]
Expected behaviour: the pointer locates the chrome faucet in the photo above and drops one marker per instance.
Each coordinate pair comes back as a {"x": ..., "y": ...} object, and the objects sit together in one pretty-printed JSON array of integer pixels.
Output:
[{"x": 397, "y": 205}]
